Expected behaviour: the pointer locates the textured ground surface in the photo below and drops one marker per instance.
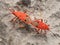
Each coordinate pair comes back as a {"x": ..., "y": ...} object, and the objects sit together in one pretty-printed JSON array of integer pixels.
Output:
[{"x": 47, "y": 9}]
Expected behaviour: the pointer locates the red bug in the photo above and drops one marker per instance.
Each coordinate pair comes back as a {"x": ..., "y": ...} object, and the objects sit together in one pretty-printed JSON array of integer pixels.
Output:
[
  {"x": 21, "y": 16},
  {"x": 40, "y": 25}
]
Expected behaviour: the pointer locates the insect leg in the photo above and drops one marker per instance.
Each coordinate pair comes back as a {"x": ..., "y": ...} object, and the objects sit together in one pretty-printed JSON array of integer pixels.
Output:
[{"x": 13, "y": 19}]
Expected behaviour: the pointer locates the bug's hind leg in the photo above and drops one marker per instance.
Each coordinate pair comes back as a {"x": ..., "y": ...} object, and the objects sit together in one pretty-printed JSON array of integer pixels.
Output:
[
  {"x": 45, "y": 32},
  {"x": 14, "y": 19},
  {"x": 38, "y": 31}
]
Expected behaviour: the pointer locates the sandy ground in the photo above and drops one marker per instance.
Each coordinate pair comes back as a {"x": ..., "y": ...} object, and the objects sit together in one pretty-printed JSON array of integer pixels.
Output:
[{"x": 49, "y": 10}]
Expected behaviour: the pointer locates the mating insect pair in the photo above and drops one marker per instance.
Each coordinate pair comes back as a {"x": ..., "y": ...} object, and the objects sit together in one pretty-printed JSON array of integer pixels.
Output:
[{"x": 38, "y": 24}]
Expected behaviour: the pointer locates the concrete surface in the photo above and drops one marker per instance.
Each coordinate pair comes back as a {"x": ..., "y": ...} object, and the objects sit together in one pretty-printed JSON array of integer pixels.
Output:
[{"x": 49, "y": 10}]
